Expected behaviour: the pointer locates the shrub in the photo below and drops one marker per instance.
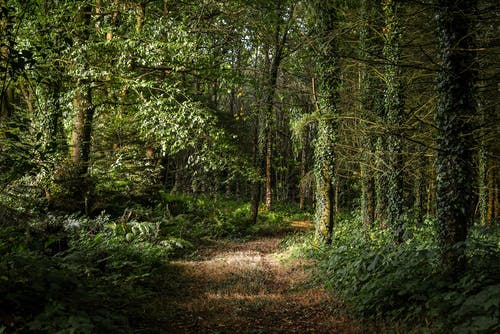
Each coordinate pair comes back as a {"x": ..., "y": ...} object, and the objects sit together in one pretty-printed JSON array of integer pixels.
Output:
[{"x": 402, "y": 283}]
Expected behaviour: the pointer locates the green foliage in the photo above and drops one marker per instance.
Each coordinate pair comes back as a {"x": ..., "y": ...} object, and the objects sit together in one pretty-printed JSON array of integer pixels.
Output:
[
  {"x": 75, "y": 275},
  {"x": 404, "y": 282},
  {"x": 195, "y": 218},
  {"x": 72, "y": 274}
]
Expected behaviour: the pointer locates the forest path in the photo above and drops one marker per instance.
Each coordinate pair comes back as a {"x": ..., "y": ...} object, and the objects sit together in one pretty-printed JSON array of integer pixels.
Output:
[{"x": 247, "y": 287}]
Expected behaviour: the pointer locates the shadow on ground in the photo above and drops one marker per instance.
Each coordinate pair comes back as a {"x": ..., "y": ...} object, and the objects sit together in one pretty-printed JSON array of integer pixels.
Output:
[{"x": 246, "y": 287}]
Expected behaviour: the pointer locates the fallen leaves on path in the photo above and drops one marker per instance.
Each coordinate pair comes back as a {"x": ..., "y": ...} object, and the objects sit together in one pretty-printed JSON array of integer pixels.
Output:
[{"x": 245, "y": 288}]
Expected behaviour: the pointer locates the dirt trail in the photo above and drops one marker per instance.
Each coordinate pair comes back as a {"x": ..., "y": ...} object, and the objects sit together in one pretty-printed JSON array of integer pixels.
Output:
[{"x": 246, "y": 288}]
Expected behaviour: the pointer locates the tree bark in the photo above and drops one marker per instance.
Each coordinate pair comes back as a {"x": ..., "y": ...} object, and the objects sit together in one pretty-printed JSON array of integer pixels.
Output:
[
  {"x": 268, "y": 169},
  {"x": 394, "y": 109},
  {"x": 369, "y": 105},
  {"x": 303, "y": 158},
  {"x": 456, "y": 105},
  {"x": 492, "y": 197},
  {"x": 281, "y": 35},
  {"x": 484, "y": 193},
  {"x": 327, "y": 102},
  {"x": 82, "y": 130},
  {"x": 255, "y": 193},
  {"x": 141, "y": 15},
  {"x": 380, "y": 181},
  {"x": 419, "y": 190},
  {"x": 81, "y": 145}
]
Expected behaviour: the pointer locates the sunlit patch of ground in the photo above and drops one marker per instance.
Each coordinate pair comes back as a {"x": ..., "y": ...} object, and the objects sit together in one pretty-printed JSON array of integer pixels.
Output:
[
  {"x": 303, "y": 225},
  {"x": 244, "y": 288}
]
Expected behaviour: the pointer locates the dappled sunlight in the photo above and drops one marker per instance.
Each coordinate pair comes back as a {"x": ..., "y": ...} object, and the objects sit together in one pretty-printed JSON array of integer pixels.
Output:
[
  {"x": 304, "y": 225},
  {"x": 246, "y": 287}
]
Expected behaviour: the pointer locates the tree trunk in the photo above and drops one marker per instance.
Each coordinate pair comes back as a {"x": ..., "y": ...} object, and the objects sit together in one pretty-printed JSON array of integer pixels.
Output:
[
  {"x": 6, "y": 103},
  {"x": 56, "y": 135},
  {"x": 367, "y": 196},
  {"x": 495, "y": 219},
  {"x": 484, "y": 194},
  {"x": 456, "y": 105},
  {"x": 82, "y": 129},
  {"x": 369, "y": 105},
  {"x": 492, "y": 197},
  {"x": 268, "y": 169},
  {"x": 141, "y": 15},
  {"x": 419, "y": 190},
  {"x": 255, "y": 194},
  {"x": 303, "y": 158},
  {"x": 380, "y": 181},
  {"x": 81, "y": 144},
  {"x": 394, "y": 109},
  {"x": 324, "y": 150}
]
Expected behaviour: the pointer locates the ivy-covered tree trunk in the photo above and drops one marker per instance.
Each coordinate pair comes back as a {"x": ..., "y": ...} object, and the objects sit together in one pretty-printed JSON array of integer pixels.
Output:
[
  {"x": 324, "y": 171},
  {"x": 483, "y": 184},
  {"x": 369, "y": 99},
  {"x": 303, "y": 161},
  {"x": 420, "y": 189},
  {"x": 328, "y": 98},
  {"x": 456, "y": 106},
  {"x": 268, "y": 163},
  {"x": 380, "y": 181},
  {"x": 492, "y": 206},
  {"x": 394, "y": 109}
]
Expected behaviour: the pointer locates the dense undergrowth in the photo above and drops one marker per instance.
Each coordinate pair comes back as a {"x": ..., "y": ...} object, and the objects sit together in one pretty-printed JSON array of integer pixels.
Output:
[
  {"x": 64, "y": 273},
  {"x": 402, "y": 284}
]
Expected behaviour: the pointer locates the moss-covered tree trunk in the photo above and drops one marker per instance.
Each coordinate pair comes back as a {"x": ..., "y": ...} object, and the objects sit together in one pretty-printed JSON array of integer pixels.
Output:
[
  {"x": 394, "y": 109},
  {"x": 324, "y": 146},
  {"x": 456, "y": 106}
]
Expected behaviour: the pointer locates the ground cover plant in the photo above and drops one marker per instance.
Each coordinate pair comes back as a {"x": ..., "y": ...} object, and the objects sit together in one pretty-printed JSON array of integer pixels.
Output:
[
  {"x": 403, "y": 285},
  {"x": 76, "y": 274}
]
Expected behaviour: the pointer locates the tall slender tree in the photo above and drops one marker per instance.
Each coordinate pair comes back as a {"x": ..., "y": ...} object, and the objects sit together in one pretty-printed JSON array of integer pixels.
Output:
[
  {"x": 456, "y": 106},
  {"x": 328, "y": 17},
  {"x": 370, "y": 103},
  {"x": 82, "y": 124},
  {"x": 280, "y": 40},
  {"x": 394, "y": 110}
]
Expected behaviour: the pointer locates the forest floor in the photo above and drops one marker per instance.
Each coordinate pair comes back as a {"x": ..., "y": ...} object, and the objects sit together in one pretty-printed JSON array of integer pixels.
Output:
[{"x": 250, "y": 287}]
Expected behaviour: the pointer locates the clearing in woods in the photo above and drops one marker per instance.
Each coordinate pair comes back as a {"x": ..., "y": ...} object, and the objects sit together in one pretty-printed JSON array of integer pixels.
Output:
[{"x": 247, "y": 287}]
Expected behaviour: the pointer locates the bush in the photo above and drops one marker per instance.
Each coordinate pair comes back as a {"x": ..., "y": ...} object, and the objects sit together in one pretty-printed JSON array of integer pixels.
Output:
[
  {"x": 100, "y": 282},
  {"x": 75, "y": 274},
  {"x": 403, "y": 283}
]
